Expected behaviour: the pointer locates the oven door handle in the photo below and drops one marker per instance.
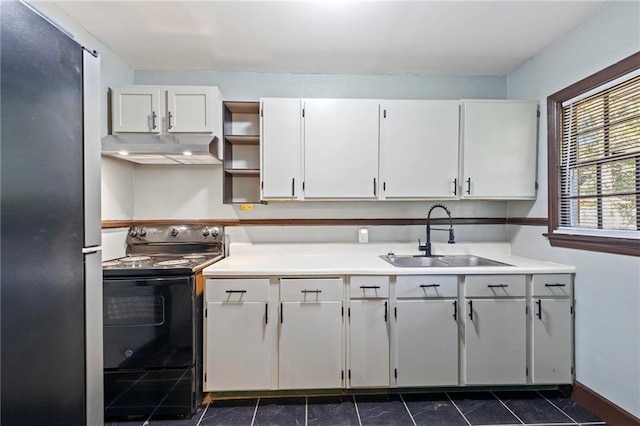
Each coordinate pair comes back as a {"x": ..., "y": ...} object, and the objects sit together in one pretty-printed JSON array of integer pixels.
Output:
[{"x": 236, "y": 291}]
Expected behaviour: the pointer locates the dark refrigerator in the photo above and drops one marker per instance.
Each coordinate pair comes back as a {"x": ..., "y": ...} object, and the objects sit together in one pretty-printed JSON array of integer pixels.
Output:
[{"x": 51, "y": 277}]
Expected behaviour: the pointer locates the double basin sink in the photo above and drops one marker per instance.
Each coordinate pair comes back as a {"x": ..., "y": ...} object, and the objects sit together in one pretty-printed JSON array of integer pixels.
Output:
[{"x": 440, "y": 261}]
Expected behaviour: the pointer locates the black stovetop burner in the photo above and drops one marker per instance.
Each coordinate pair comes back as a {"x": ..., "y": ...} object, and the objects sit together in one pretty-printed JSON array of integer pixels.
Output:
[
  {"x": 158, "y": 264},
  {"x": 167, "y": 250}
]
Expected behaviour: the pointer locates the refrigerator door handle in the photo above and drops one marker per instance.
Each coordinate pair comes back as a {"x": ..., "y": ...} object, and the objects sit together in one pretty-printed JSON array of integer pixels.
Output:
[
  {"x": 94, "y": 403},
  {"x": 89, "y": 250},
  {"x": 91, "y": 116}
]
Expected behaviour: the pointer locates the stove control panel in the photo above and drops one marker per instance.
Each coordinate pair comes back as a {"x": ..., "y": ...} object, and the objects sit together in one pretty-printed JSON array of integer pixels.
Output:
[{"x": 175, "y": 234}]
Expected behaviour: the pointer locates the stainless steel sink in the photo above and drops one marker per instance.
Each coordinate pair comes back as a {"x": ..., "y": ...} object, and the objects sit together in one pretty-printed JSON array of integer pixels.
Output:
[
  {"x": 467, "y": 260},
  {"x": 440, "y": 261},
  {"x": 414, "y": 261}
]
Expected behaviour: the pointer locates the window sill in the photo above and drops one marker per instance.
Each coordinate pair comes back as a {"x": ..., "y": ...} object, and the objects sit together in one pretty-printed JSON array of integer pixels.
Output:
[{"x": 625, "y": 246}]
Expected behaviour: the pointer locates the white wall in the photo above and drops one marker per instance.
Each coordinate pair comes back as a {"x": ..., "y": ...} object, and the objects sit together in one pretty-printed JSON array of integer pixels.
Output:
[
  {"x": 117, "y": 177},
  {"x": 240, "y": 86},
  {"x": 607, "y": 287}
]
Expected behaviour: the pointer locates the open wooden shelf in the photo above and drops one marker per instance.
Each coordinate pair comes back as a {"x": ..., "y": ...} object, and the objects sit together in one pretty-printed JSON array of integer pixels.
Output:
[
  {"x": 244, "y": 172},
  {"x": 241, "y": 152},
  {"x": 243, "y": 139}
]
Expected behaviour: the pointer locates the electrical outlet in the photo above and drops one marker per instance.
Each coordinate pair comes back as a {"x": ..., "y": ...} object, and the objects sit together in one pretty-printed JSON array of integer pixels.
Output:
[{"x": 363, "y": 235}]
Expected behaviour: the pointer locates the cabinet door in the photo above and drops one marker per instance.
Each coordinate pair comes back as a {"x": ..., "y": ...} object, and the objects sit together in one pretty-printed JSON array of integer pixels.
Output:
[
  {"x": 499, "y": 149},
  {"x": 495, "y": 341},
  {"x": 420, "y": 149},
  {"x": 427, "y": 342},
  {"x": 310, "y": 353},
  {"x": 369, "y": 343},
  {"x": 280, "y": 147},
  {"x": 190, "y": 109},
  {"x": 238, "y": 349},
  {"x": 552, "y": 341},
  {"x": 136, "y": 109},
  {"x": 341, "y": 148}
]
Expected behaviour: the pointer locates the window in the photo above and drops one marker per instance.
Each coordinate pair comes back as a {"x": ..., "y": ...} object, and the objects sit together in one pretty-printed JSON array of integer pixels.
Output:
[{"x": 594, "y": 161}]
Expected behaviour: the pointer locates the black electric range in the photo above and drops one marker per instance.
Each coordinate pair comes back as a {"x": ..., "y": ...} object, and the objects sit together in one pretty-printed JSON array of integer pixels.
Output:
[{"x": 152, "y": 315}]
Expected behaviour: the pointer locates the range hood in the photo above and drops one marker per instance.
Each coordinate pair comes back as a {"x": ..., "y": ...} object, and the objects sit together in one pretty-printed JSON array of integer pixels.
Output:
[{"x": 162, "y": 149}]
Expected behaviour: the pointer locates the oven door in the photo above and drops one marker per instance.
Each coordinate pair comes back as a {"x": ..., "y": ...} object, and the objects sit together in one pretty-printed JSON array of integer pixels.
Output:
[{"x": 149, "y": 323}]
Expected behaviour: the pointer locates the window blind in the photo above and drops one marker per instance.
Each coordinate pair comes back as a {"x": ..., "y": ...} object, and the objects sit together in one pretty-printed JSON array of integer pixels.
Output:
[{"x": 600, "y": 160}]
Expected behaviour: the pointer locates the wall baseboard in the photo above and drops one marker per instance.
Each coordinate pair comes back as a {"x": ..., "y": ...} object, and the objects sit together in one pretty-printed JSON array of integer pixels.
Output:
[{"x": 602, "y": 407}]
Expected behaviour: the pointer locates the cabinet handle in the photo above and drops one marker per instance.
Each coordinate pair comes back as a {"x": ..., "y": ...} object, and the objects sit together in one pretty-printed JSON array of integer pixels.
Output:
[
  {"x": 153, "y": 119},
  {"x": 455, "y": 310},
  {"x": 369, "y": 286},
  {"x": 555, "y": 285},
  {"x": 539, "y": 303},
  {"x": 385, "y": 311},
  {"x": 281, "y": 313},
  {"x": 293, "y": 187},
  {"x": 498, "y": 285},
  {"x": 469, "y": 186},
  {"x": 374, "y": 187},
  {"x": 455, "y": 186},
  {"x": 311, "y": 291},
  {"x": 266, "y": 313},
  {"x": 429, "y": 285},
  {"x": 236, "y": 291},
  {"x": 471, "y": 310},
  {"x": 169, "y": 117}
]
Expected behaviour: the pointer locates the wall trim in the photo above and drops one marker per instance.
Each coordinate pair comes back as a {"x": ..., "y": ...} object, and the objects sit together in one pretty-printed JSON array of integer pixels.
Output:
[
  {"x": 602, "y": 407},
  {"x": 108, "y": 224},
  {"x": 528, "y": 221}
]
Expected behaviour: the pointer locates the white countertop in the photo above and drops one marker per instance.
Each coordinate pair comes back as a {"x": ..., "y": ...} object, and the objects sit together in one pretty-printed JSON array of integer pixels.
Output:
[{"x": 363, "y": 259}]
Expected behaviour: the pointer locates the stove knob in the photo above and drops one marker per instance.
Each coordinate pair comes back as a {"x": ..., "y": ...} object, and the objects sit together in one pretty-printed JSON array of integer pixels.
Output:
[
  {"x": 205, "y": 232},
  {"x": 215, "y": 232},
  {"x": 133, "y": 232},
  {"x": 174, "y": 232},
  {"x": 142, "y": 232}
]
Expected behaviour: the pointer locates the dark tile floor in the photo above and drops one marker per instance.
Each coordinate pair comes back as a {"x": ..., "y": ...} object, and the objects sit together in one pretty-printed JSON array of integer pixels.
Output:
[{"x": 546, "y": 408}]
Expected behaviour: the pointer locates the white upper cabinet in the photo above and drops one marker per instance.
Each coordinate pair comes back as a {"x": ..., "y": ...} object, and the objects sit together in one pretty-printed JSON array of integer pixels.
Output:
[
  {"x": 499, "y": 141},
  {"x": 280, "y": 145},
  {"x": 190, "y": 109},
  {"x": 136, "y": 109},
  {"x": 419, "y": 149},
  {"x": 166, "y": 109},
  {"x": 341, "y": 148}
]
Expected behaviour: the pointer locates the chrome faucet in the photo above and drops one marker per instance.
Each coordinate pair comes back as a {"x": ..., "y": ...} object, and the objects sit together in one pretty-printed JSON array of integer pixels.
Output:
[{"x": 452, "y": 238}]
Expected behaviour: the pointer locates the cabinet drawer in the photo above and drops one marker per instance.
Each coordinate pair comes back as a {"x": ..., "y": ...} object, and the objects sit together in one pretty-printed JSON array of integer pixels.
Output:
[
  {"x": 495, "y": 286},
  {"x": 372, "y": 287},
  {"x": 237, "y": 290},
  {"x": 557, "y": 285},
  {"x": 420, "y": 286},
  {"x": 311, "y": 290}
]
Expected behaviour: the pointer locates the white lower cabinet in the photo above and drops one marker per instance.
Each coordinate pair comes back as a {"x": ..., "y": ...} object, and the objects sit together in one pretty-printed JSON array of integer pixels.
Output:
[
  {"x": 238, "y": 363},
  {"x": 311, "y": 348},
  {"x": 430, "y": 330},
  {"x": 551, "y": 341},
  {"x": 368, "y": 343},
  {"x": 238, "y": 350},
  {"x": 495, "y": 342},
  {"x": 427, "y": 342},
  {"x": 551, "y": 329}
]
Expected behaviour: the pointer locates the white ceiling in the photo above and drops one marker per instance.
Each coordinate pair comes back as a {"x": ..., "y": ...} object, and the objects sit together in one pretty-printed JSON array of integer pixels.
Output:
[{"x": 339, "y": 36}]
